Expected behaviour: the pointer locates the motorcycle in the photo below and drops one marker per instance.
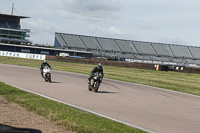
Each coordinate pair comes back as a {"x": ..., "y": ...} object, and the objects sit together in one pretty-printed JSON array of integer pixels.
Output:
[
  {"x": 95, "y": 82},
  {"x": 47, "y": 74}
]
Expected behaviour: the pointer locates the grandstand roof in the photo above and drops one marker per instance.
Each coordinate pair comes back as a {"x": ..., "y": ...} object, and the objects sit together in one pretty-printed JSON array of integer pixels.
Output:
[
  {"x": 27, "y": 46},
  {"x": 12, "y": 16}
]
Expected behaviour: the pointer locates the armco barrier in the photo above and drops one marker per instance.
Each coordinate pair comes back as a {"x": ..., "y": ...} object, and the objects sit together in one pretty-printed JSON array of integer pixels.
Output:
[{"x": 117, "y": 64}]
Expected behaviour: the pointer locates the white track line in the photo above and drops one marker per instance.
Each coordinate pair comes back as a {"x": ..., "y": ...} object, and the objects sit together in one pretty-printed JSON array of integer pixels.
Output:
[{"x": 82, "y": 109}]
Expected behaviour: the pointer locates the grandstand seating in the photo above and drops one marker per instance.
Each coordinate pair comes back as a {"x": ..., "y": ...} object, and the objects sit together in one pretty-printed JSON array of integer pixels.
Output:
[
  {"x": 68, "y": 41},
  {"x": 126, "y": 46},
  {"x": 166, "y": 59},
  {"x": 97, "y": 53},
  {"x": 197, "y": 62},
  {"x": 108, "y": 44},
  {"x": 157, "y": 58},
  {"x": 179, "y": 60},
  {"x": 162, "y": 49},
  {"x": 190, "y": 61},
  {"x": 180, "y": 51},
  {"x": 143, "y": 57},
  {"x": 144, "y": 48},
  {"x": 91, "y": 43},
  {"x": 127, "y": 49},
  {"x": 60, "y": 41},
  {"x": 195, "y": 51},
  {"x": 128, "y": 56}
]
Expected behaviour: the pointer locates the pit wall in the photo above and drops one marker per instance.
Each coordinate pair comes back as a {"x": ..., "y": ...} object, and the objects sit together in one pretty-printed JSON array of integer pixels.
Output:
[{"x": 119, "y": 64}]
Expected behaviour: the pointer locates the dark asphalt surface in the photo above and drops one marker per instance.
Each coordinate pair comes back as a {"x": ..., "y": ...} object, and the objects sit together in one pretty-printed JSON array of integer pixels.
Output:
[{"x": 151, "y": 108}]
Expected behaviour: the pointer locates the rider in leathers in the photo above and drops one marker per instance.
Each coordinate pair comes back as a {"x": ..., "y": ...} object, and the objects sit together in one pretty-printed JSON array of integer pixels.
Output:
[
  {"x": 43, "y": 65},
  {"x": 96, "y": 69}
]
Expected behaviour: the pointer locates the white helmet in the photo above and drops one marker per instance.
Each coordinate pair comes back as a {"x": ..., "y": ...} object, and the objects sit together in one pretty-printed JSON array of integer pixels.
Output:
[
  {"x": 99, "y": 65},
  {"x": 45, "y": 61}
]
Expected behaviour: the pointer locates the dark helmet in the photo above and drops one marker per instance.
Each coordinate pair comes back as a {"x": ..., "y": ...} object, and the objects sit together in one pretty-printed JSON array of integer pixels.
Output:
[
  {"x": 45, "y": 61},
  {"x": 100, "y": 65}
]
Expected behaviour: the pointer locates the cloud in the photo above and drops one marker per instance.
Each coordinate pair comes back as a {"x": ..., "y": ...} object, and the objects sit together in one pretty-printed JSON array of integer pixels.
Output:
[
  {"x": 40, "y": 25},
  {"x": 90, "y": 10},
  {"x": 114, "y": 31},
  {"x": 41, "y": 30},
  {"x": 148, "y": 27},
  {"x": 172, "y": 40},
  {"x": 111, "y": 32}
]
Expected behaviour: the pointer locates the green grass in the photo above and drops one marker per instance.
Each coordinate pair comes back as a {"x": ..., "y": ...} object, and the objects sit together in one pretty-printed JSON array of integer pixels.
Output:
[{"x": 63, "y": 115}]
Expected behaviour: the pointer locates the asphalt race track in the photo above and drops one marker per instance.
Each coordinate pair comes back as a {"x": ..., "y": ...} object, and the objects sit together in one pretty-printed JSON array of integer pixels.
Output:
[{"x": 150, "y": 108}]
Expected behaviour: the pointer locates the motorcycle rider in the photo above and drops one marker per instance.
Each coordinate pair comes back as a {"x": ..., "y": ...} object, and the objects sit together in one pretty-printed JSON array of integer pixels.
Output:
[
  {"x": 43, "y": 64},
  {"x": 95, "y": 69}
]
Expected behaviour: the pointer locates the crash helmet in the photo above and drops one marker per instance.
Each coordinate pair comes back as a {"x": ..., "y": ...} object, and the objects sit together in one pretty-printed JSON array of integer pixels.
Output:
[
  {"x": 100, "y": 65},
  {"x": 45, "y": 61}
]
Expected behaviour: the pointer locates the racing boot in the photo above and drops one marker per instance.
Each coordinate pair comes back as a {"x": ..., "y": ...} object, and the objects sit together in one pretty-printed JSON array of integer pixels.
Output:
[{"x": 89, "y": 82}]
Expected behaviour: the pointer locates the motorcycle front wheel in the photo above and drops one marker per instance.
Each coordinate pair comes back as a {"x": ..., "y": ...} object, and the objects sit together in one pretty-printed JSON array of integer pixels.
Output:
[
  {"x": 89, "y": 88},
  {"x": 96, "y": 86}
]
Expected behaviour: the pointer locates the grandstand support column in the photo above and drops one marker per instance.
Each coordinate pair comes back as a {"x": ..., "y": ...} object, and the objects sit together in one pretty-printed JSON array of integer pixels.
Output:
[
  {"x": 186, "y": 62},
  {"x": 134, "y": 55},
  {"x": 134, "y": 47},
  {"x": 118, "y": 45},
  {"x": 150, "y": 57},
  {"x": 99, "y": 43},
  {"x": 171, "y": 50},
  {"x": 83, "y": 42},
  {"x": 190, "y": 52},
  {"x": 153, "y": 48}
]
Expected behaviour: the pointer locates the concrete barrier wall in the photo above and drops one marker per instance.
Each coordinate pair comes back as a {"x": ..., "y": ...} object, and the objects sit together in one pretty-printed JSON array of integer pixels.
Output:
[{"x": 117, "y": 64}]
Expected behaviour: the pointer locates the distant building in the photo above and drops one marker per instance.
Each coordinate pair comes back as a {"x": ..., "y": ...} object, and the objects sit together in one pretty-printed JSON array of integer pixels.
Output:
[
  {"x": 14, "y": 39},
  {"x": 10, "y": 30}
]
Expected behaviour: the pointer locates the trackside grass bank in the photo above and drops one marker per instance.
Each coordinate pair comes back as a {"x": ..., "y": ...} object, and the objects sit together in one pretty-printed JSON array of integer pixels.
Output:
[{"x": 63, "y": 115}]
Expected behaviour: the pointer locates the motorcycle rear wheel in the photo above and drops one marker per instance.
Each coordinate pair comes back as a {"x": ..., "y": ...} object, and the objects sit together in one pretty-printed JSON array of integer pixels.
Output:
[{"x": 49, "y": 78}]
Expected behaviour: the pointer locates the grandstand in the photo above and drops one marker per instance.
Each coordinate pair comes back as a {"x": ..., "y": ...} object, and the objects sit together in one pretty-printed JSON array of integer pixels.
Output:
[
  {"x": 13, "y": 39},
  {"x": 134, "y": 51},
  {"x": 10, "y": 30}
]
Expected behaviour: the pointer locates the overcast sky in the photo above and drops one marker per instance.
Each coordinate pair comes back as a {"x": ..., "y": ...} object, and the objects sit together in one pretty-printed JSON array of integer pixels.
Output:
[{"x": 162, "y": 21}]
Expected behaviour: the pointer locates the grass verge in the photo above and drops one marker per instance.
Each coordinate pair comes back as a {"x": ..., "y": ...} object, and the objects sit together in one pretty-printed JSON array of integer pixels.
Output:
[{"x": 63, "y": 115}]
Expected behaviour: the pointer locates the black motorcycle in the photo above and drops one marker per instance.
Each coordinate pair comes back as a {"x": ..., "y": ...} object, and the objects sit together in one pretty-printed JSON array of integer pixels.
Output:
[{"x": 95, "y": 82}]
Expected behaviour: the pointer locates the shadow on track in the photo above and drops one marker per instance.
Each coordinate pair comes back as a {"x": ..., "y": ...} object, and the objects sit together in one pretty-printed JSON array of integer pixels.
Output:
[
  {"x": 55, "y": 82},
  {"x": 105, "y": 92}
]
